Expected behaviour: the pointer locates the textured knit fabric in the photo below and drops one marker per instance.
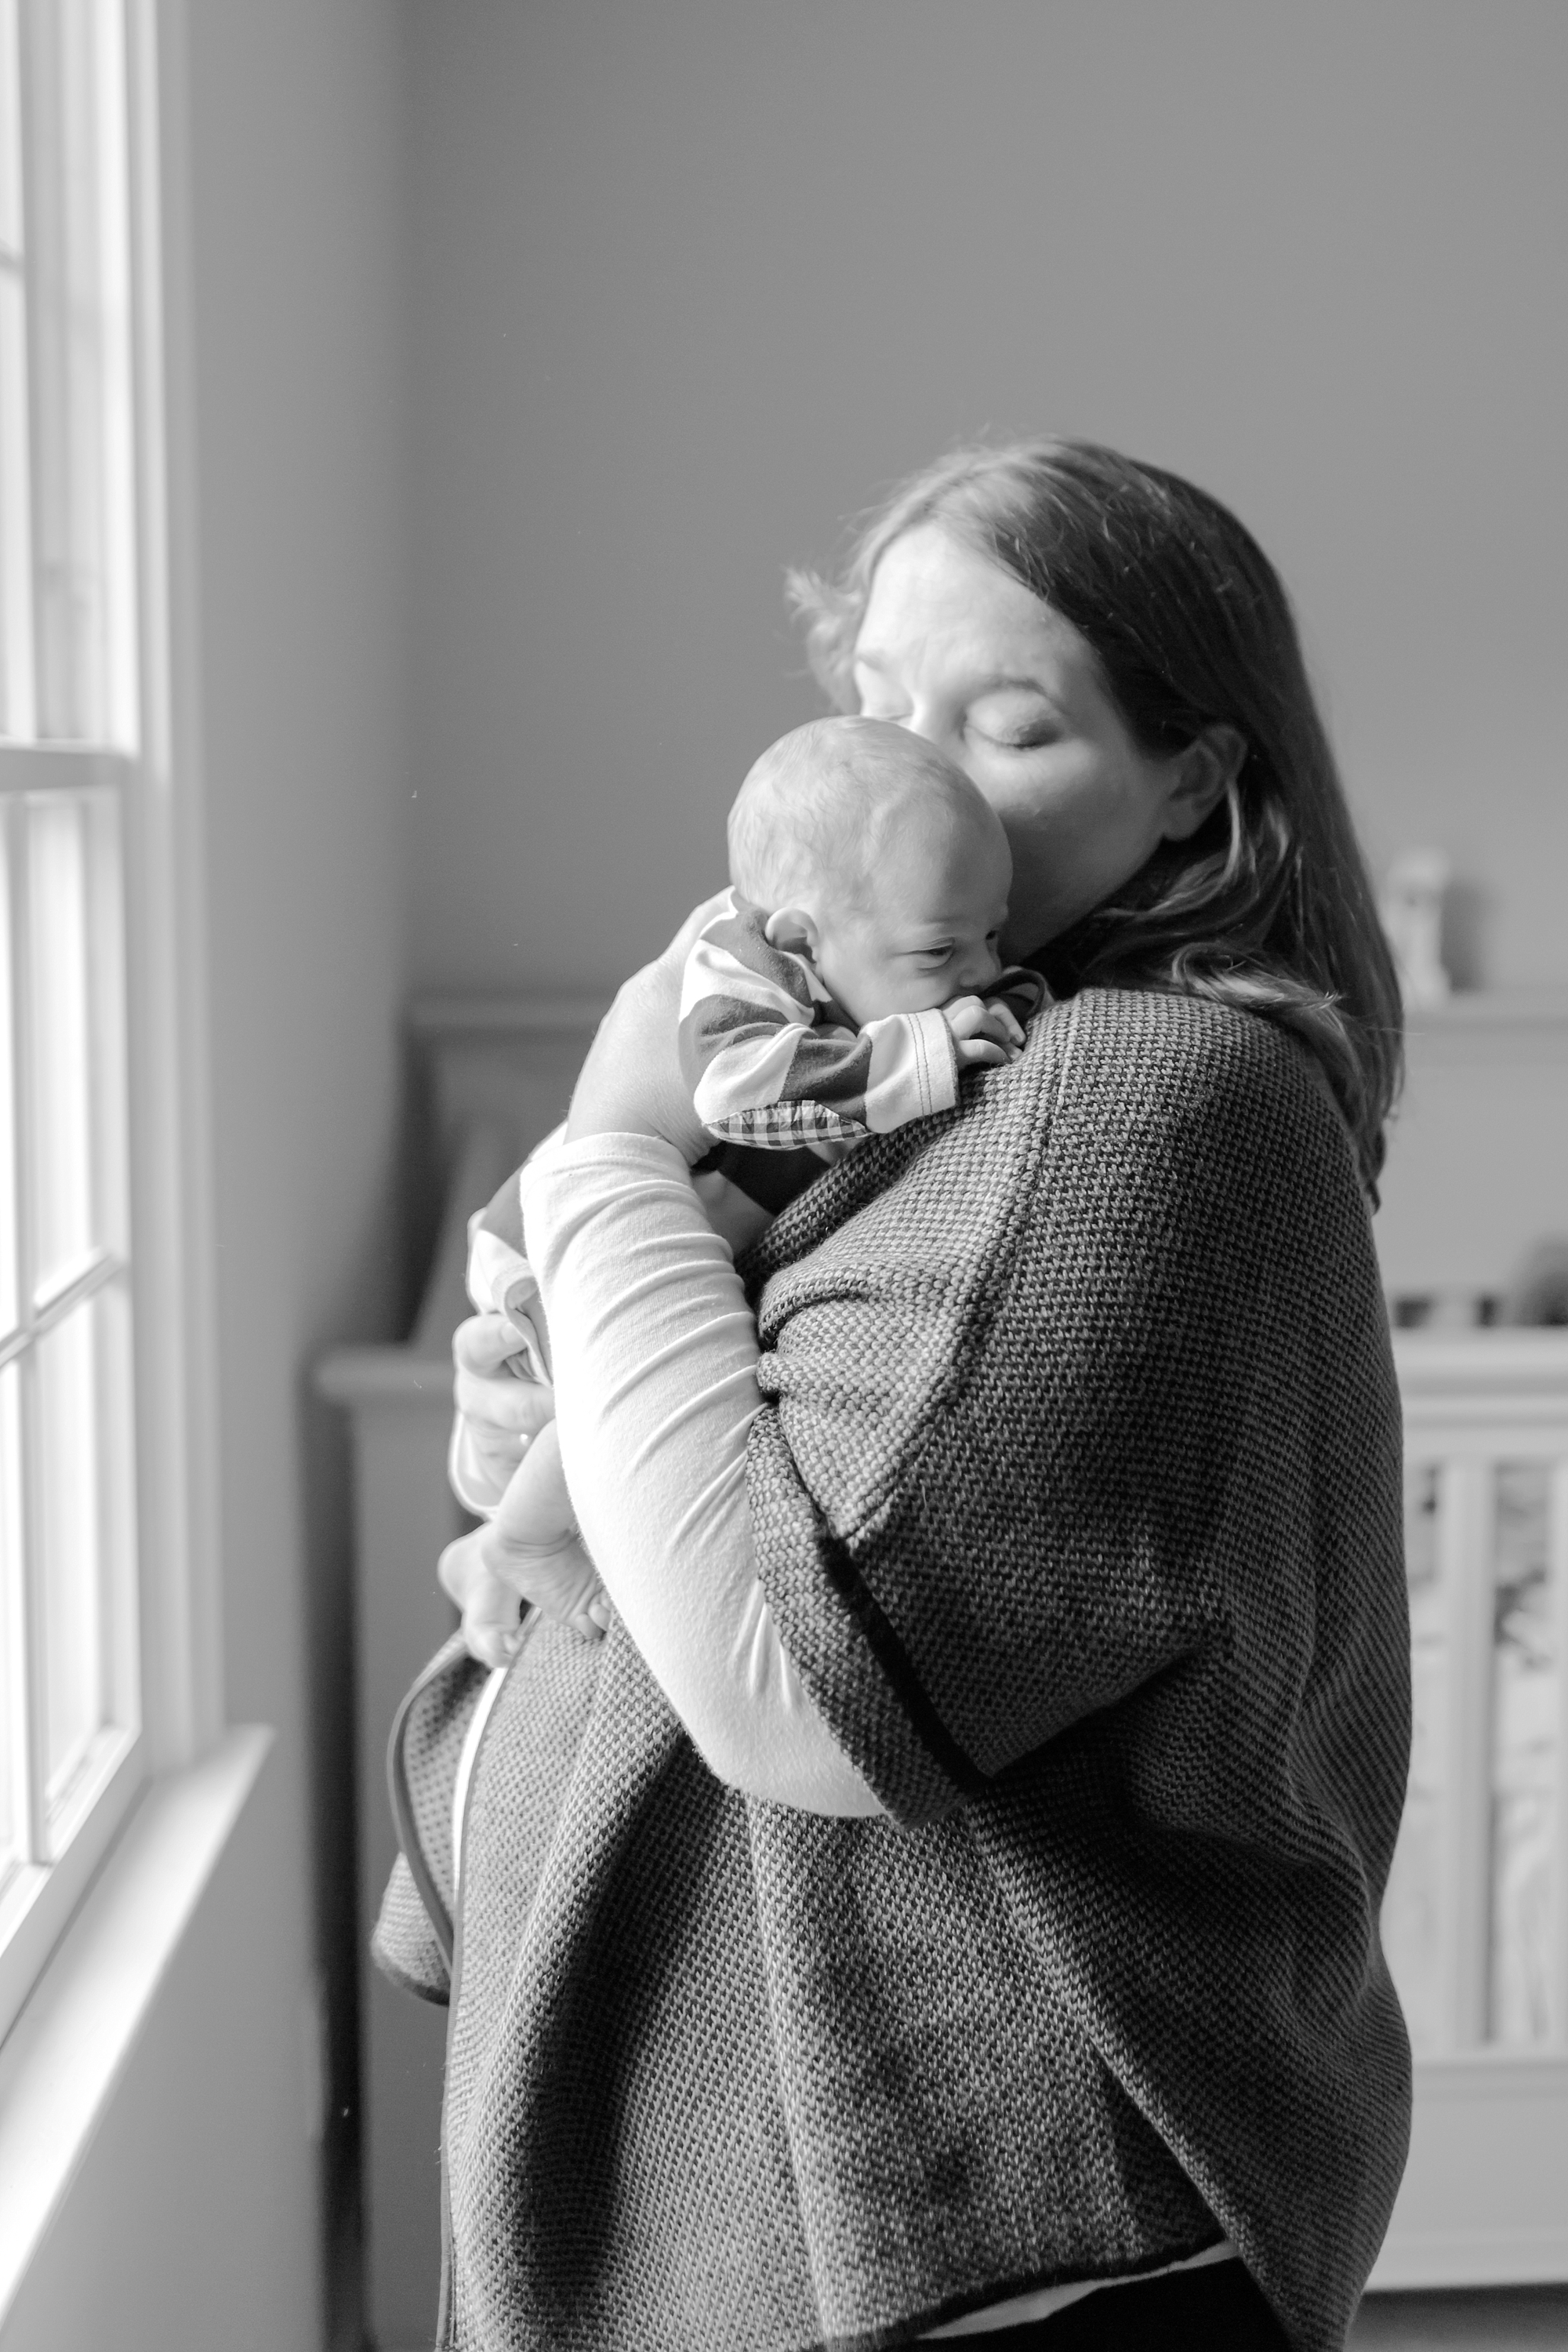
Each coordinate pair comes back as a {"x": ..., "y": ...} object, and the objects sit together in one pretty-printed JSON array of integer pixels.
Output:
[
  {"x": 1077, "y": 1496},
  {"x": 412, "y": 1936}
]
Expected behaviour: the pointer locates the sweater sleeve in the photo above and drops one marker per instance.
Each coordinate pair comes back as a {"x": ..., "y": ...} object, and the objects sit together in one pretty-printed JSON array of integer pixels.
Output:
[{"x": 655, "y": 1354}]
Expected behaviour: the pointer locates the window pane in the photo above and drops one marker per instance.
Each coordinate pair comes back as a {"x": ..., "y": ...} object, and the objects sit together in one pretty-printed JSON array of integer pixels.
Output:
[
  {"x": 60, "y": 1038},
  {"x": 1526, "y": 1702},
  {"x": 69, "y": 1523},
  {"x": 8, "y": 1244},
  {"x": 10, "y": 136},
  {"x": 82, "y": 1519},
  {"x": 13, "y": 1711},
  {"x": 15, "y": 561},
  {"x": 81, "y": 374},
  {"x": 70, "y": 1554}
]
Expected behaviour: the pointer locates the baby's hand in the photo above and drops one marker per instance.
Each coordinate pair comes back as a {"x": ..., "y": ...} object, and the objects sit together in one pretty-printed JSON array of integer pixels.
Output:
[{"x": 983, "y": 1033}]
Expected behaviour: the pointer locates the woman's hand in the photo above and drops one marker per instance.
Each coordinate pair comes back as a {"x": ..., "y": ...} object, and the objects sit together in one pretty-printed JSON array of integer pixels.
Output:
[
  {"x": 631, "y": 1082},
  {"x": 491, "y": 1582},
  {"x": 501, "y": 1412}
]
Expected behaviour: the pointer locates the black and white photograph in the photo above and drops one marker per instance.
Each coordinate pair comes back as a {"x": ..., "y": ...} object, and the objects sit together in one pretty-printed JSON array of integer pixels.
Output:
[{"x": 783, "y": 1175}]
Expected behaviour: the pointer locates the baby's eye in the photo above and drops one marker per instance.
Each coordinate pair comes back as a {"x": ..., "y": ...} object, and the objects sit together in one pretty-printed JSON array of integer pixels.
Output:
[{"x": 932, "y": 959}]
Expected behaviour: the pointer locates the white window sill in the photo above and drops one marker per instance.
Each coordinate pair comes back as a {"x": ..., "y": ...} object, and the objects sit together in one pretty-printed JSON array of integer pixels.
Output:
[{"x": 60, "y": 2062}]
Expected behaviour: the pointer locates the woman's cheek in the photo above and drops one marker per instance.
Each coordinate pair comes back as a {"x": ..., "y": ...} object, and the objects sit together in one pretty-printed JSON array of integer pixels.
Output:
[{"x": 1018, "y": 789}]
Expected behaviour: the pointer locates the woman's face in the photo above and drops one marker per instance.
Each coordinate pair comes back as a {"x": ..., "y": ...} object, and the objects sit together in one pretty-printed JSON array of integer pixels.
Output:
[{"x": 956, "y": 649}]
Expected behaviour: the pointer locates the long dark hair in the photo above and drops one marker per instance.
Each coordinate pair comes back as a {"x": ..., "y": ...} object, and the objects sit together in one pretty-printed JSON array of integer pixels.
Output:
[{"x": 1269, "y": 906}]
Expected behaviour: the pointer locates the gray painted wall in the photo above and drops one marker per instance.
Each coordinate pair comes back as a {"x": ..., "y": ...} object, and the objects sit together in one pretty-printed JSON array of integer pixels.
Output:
[{"x": 693, "y": 279}]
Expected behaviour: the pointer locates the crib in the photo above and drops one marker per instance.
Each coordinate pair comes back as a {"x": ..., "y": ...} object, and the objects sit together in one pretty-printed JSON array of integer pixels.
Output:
[
  {"x": 1476, "y": 1919},
  {"x": 1476, "y": 1915}
]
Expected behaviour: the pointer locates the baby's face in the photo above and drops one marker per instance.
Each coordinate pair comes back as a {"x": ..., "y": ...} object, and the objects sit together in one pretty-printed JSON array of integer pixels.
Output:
[{"x": 928, "y": 929}]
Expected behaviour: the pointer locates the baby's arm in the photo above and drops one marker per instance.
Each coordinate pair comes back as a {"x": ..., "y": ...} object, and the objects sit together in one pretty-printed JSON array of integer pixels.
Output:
[
  {"x": 762, "y": 1072},
  {"x": 904, "y": 1066},
  {"x": 765, "y": 1071}
]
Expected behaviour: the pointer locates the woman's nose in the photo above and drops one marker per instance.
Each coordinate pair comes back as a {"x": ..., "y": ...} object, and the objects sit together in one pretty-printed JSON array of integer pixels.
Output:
[{"x": 927, "y": 721}]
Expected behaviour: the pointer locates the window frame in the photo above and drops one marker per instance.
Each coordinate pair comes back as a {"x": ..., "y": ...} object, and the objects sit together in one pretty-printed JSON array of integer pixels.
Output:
[{"x": 169, "y": 1178}]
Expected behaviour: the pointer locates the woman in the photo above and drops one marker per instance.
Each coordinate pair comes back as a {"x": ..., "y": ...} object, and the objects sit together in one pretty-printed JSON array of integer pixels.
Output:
[{"x": 947, "y": 1903}]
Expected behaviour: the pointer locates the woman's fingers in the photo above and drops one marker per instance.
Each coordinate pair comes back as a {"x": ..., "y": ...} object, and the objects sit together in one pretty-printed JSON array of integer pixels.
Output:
[
  {"x": 455, "y": 1569},
  {"x": 490, "y": 1645},
  {"x": 561, "y": 1581},
  {"x": 498, "y": 1408},
  {"x": 493, "y": 1400},
  {"x": 485, "y": 1343},
  {"x": 490, "y": 1602}
]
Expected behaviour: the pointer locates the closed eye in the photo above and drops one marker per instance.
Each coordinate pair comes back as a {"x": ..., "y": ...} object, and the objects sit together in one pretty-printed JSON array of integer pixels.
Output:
[{"x": 1014, "y": 739}]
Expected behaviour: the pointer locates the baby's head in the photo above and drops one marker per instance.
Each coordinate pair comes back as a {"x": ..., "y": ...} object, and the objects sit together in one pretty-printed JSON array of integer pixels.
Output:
[{"x": 878, "y": 859}]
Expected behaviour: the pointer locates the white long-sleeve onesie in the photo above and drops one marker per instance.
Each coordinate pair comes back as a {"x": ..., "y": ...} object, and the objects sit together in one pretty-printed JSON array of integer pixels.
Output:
[{"x": 654, "y": 1352}]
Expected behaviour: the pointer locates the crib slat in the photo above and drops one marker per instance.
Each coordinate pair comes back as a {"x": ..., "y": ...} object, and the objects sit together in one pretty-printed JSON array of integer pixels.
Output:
[
  {"x": 1558, "y": 1557},
  {"x": 1464, "y": 1536}
]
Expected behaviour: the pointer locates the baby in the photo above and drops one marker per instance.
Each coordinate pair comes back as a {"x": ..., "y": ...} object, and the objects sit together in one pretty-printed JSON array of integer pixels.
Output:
[
  {"x": 850, "y": 976},
  {"x": 853, "y": 972}
]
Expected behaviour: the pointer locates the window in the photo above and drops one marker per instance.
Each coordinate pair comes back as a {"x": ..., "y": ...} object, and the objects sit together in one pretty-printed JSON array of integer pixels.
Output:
[{"x": 80, "y": 805}]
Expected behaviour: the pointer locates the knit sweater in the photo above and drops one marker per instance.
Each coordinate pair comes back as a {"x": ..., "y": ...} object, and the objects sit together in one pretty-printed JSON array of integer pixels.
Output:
[{"x": 1077, "y": 1500}]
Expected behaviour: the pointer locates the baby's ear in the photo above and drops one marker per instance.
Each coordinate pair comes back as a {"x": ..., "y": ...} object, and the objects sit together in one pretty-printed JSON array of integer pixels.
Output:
[{"x": 793, "y": 929}]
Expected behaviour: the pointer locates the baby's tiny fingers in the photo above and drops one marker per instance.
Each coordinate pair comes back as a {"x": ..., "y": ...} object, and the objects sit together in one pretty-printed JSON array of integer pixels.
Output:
[
  {"x": 979, "y": 1050},
  {"x": 1010, "y": 1023}
]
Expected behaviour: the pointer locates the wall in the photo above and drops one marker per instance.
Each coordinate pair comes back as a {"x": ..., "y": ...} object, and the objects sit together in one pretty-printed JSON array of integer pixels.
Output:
[
  {"x": 300, "y": 249},
  {"x": 197, "y": 2220},
  {"x": 695, "y": 280},
  {"x": 189, "y": 2227}
]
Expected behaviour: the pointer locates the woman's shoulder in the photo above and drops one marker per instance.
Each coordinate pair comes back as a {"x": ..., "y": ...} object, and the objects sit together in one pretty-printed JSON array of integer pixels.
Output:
[
  {"x": 1148, "y": 1066},
  {"x": 1121, "y": 1096},
  {"x": 1188, "y": 1043},
  {"x": 1156, "y": 1065}
]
